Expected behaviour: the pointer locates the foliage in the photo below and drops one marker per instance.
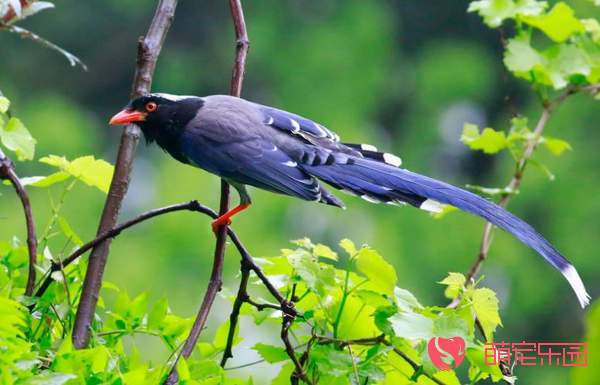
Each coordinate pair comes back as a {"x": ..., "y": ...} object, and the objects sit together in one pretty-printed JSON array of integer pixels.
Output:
[
  {"x": 569, "y": 59},
  {"x": 353, "y": 318}
]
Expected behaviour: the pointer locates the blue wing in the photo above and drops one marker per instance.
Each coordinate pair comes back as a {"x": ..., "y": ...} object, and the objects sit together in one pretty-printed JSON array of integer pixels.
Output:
[
  {"x": 258, "y": 163},
  {"x": 295, "y": 124}
]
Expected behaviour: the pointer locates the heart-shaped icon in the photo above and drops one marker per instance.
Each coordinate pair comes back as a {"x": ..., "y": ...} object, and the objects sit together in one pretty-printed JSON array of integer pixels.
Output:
[{"x": 446, "y": 353}]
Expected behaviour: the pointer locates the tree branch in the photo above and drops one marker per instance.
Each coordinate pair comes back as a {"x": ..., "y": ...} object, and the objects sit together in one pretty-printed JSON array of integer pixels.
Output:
[
  {"x": 215, "y": 282},
  {"x": 149, "y": 49},
  {"x": 7, "y": 171}
]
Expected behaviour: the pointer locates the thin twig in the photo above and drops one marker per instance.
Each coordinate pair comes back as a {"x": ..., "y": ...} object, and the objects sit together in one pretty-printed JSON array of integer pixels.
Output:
[
  {"x": 56, "y": 266},
  {"x": 416, "y": 367},
  {"x": 27, "y": 34},
  {"x": 7, "y": 171},
  {"x": 215, "y": 282},
  {"x": 298, "y": 373},
  {"x": 241, "y": 297},
  {"x": 149, "y": 49}
]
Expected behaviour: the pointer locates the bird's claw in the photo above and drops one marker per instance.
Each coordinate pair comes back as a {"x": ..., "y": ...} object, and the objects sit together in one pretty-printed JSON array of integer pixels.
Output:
[{"x": 217, "y": 223}]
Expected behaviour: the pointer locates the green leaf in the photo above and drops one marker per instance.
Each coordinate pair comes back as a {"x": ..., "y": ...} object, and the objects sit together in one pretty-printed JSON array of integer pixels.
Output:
[
  {"x": 556, "y": 146},
  {"x": 451, "y": 325},
  {"x": 521, "y": 58},
  {"x": 93, "y": 172},
  {"x": 283, "y": 377},
  {"x": 592, "y": 26},
  {"x": 182, "y": 369},
  {"x": 324, "y": 251},
  {"x": 68, "y": 231},
  {"x": 406, "y": 300},
  {"x": 158, "y": 313},
  {"x": 331, "y": 361},
  {"x": 348, "y": 247},
  {"x": 582, "y": 375},
  {"x": 412, "y": 326},
  {"x": 270, "y": 353},
  {"x": 4, "y": 104},
  {"x": 47, "y": 378},
  {"x": 475, "y": 356},
  {"x": 559, "y": 24},
  {"x": 17, "y": 138},
  {"x": 382, "y": 276},
  {"x": 564, "y": 63},
  {"x": 56, "y": 161},
  {"x": 489, "y": 141},
  {"x": 491, "y": 191},
  {"x": 45, "y": 181},
  {"x": 494, "y": 12},
  {"x": 454, "y": 282},
  {"x": 485, "y": 305},
  {"x": 317, "y": 276}
]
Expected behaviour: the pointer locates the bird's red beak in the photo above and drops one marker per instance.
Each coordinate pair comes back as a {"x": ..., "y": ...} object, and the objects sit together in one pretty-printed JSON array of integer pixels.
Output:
[{"x": 127, "y": 116}]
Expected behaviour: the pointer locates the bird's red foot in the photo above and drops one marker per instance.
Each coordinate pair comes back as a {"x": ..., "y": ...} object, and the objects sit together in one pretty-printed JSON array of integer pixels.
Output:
[
  {"x": 221, "y": 221},
  {"x": 225, "y": 219}
]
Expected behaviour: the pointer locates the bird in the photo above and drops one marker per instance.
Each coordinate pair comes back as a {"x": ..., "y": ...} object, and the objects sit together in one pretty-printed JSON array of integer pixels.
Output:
[{"x": 250, "y": 144}]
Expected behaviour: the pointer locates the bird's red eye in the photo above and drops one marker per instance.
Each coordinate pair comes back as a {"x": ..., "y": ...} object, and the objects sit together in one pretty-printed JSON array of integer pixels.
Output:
[{"x": 151, "y": 106}]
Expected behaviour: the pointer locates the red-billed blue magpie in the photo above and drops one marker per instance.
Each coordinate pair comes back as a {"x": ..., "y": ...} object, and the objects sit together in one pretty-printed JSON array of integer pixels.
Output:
[{"x": 246, "y": 143}]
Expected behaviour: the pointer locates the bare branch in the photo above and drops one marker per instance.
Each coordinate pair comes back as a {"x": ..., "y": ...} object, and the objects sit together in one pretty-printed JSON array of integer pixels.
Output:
[
  {"x": 149, "y": 49},
  {"x": 7, "y": 171},
  {"x": 56, "y": 266},
  {"x": 214, "y": 285},
  {"x": 241, "y": 297},
  {"x": 27, "y": 34}
]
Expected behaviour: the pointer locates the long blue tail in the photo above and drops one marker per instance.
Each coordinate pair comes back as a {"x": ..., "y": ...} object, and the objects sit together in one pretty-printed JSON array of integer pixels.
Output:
[{"x": 377, "y": 181}]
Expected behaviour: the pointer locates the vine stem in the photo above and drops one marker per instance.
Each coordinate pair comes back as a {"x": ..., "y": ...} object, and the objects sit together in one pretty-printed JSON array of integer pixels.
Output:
[
  {"x": 216, "y": 279},
  {"x": 7, "y": 171},
  {"x": 149, "y": 48}
]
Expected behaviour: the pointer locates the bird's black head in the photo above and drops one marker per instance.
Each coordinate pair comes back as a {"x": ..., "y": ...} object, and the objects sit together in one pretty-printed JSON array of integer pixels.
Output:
[{"x": 160, "y": 116}]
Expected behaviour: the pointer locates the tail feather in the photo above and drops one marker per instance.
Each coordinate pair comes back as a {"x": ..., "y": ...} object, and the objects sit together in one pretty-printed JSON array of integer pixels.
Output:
[{"x": 384, "y": 183}]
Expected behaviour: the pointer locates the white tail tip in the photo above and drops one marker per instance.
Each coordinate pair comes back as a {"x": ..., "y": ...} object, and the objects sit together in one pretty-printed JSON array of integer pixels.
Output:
[{"x": 575, "y": 281}]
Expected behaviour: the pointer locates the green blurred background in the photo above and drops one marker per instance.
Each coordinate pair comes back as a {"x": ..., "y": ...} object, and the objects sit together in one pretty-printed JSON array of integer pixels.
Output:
[{"x": 403, "y": 75}]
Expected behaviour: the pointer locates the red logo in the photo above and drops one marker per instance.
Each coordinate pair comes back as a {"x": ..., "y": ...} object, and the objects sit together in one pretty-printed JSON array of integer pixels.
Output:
[{"x": 446, "y": 353}]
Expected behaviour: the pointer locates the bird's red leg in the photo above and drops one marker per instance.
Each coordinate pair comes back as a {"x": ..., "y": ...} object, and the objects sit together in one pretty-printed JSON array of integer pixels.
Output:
[{"x": 225, "y": 219}]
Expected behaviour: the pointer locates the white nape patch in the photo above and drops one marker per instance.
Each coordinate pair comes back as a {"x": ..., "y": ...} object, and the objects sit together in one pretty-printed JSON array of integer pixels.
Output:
[
  {"x": 575, "y": 281},
  {"x": 290, "y": 163},
  {"x": 370, "y": 199},
  {"x": 392, "y": 160},
  {"x": 431, "y": 206},
  {"x": 296, "y": 126},
  {"x": 269, "y": 121},
  {"x": 368, "y": 147},
  {"x": 173, "y": 98}
]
